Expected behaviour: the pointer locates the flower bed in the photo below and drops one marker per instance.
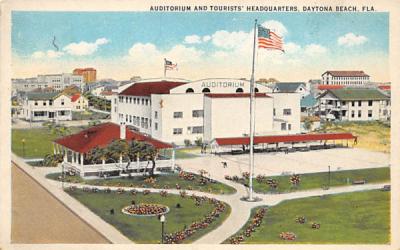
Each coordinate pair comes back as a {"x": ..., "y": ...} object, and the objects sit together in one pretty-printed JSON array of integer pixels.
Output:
[
  {"x": 178, "y": 237},
  {"x": 255, "y": 222},
  {"x": 145, "y": 209}
]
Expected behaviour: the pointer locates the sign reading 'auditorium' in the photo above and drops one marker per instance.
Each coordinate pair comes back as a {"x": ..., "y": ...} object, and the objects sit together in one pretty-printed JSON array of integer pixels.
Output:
[{"x": 222, "y": 84}]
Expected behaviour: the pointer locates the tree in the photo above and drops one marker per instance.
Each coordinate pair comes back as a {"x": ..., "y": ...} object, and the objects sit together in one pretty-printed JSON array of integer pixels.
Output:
[
  {"x": 118, "y": 148},
  {"x": 308, "y": 122}
]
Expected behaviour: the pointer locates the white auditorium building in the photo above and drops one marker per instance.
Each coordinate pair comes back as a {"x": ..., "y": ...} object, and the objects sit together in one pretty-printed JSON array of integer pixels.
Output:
[{"x": 175, "y": 110}]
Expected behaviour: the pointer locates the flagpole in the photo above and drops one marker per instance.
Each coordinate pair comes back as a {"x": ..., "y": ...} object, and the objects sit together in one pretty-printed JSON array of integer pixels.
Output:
[
  {"x": 252, "y": 118},
  {"x": 165, "y": 69}
]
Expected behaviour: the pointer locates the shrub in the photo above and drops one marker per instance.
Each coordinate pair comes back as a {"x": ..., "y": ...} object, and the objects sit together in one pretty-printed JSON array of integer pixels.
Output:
[{"x": 187, "y": 142}]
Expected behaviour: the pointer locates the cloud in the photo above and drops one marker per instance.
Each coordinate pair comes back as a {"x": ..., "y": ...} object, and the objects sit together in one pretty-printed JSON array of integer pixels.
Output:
[
  {"x": 84, "y": 48},
  {"x": 229, "y": 40},
  {"x": 192, "y": 39},
  {"x": 351, "y": 39},
  {"x": 315, "y": 50},
  {"x": 206, "y": 38},
  {"x": 47, "y": 54},
  {"x": 291, "y": 48},
  {"x": 275, "y": 26}
]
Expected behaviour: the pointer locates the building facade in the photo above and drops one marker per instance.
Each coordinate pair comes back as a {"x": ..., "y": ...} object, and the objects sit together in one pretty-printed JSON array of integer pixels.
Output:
[
  {"x": 89, "y": 74},
  {"x": 354, "y": 104},
  {"x": 46, "y": 107},
  {"x": 57, "y": 82},
  {"x": 178, "y": 111},
  {"x": 349, "y": 78},
  {"x": 79, "y": 102},
  {"x": 291, "y": 87}
]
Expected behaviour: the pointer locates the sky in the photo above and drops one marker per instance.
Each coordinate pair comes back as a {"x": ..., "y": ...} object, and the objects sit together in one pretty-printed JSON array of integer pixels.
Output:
[{"x": 203, "y": 44}]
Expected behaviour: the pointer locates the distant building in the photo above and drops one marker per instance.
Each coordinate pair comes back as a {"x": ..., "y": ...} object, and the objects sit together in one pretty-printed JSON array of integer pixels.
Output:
[
  {"x": 46, "y": 107},
  {"x": 89, "y": 74},
  {"x": 291, "y": 87},
  {"x": 308, "y": 105},
  {"x": 57, "y": 82},
  {"x": 354, "y": 104},
  {"x": 349, "y": 78}
]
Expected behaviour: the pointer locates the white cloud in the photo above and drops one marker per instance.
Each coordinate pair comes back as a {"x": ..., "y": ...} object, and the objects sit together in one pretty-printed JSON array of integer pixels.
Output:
[
  {"x": 206, "y": 38},
  {"x": 291, "y": 48},
  {"x": 275, "y": 26},
  {"x": 84, "y": 48},
  {"x": 229, "y": 40},
  {"x": 192, "y": 39},
  {"x": 47, "y": 54},
  {"x": 315, "y": 50},
  {"x": 351, "y": 39}
]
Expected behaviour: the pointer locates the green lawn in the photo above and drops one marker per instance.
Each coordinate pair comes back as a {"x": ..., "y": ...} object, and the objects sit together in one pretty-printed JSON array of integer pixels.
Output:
[
  {"x": 161, "y": 181},
  {"x": 180, "y": 154},
  {"x": 318, "y": 180},
  {"x": 89, "y": 115},
  {"x": 351, "y": 218},
  {"x": 148, "y": 229},
  {"x": 38, "y": 141}
]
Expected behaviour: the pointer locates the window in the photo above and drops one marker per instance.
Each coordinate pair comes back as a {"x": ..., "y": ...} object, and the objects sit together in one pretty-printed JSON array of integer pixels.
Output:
[
  {"x": 142, "y": 101},
  {"x": 256, "y": 90},
  {"x": 155, "y": 115},
  {"x": 287, "y": 111},
  {"x": 239, "y": 90},
  {"x": 177, "y": 131},
  {"x": 178, "y": 114},
  {"x": 343, "y": 103},
  {"x": 155, "y": 126},
  {"x": 44, "y": 103},
  {"x": 352, "y": 103},
  {"x": 147, "y": 102},
  {"x": 385, "y": 112},
  {"x": 369, "y": 103},
  {"x": 130, "y": 119},
  {"x": 283, "y": 126},
  {"x": 50, "y": 102},
  {"x": 134, "y": 100},
  {"x": 130, "y": 99},
  {"x": 359, "y": 113},
  {"x": 126, "y": 99},
  {"x": 39, "y": 113},
  {"x": 289, "y": 126},
  {"x": 197, "y": 113},
  {"x": 126, "y": 117},
  {"x": 274, "y": 112},
  {"x": 352, "y": 114},
  {"x": 189, "y": 90},
  {"x": 62, "y": 112},
  {"x": 36, "y": 103},
  {"x": 197, "y": 130},
  {"x": 62, "y": 101},
  {"x": 206, "y": 90},
  {"x": 369, "y": 113},
  {"x": 359, "y": 103}
]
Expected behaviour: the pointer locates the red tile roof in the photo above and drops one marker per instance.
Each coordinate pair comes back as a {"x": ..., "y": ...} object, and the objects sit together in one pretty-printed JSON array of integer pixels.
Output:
[
  {"x": 103, "y": 134},
  {"x": 236, "y": 95},
  {"x": 325, "y": 87},
  {"x": 384, "y": 87},
  {"x": 148, "y": 88},
  {"x": 284, "y": 138},
  {"x": 346, "y": 73},
  {"x": 75, "y": 97},
  {"x": 106, "y": 92}
]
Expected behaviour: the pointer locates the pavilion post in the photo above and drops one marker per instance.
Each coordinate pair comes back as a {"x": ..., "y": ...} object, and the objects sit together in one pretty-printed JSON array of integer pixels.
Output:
[{"x": 173, "y": 159}]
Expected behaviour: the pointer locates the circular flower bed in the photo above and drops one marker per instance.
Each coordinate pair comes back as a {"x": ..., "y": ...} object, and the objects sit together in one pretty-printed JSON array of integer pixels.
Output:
[{"x": 144, "y": 209}]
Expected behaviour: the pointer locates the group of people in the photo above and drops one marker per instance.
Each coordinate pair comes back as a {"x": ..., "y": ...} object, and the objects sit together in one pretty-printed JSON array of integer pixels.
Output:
[
  {"x": 146, "y": 209},
  {"x": 295, "y": 179},
  {"x": 178, "y": 237},
  {"x": 163, "y": 193},
  {"x": 255, "y": 222},
  {"x": 301, "y": 219}
]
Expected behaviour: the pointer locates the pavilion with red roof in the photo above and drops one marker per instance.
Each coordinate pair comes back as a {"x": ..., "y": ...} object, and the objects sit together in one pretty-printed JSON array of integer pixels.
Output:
[
  {"x": 76, "y": 146},
  {"x": 280, "y": 142}
]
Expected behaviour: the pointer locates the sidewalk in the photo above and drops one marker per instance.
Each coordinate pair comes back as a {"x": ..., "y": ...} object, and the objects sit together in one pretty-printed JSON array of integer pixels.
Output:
[{"x": 105, "y": 229}]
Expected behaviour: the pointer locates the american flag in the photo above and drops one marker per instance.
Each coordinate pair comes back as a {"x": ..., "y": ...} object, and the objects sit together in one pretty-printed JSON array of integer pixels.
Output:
[
  {"x": 268, "y": 39},
  {"x": 168, "y": 65}
]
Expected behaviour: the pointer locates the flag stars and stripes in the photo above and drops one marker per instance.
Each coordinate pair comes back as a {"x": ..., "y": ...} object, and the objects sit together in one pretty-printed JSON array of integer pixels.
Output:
[
  {"x": 268, "y": 39},
  {"x": 168, "y": 65}
]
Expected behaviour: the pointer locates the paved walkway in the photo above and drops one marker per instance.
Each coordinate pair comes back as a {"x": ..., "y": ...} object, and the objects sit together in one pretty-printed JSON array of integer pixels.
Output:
[
  {"x": 99, "y": 111},
  {"x": 240, "y": 210}
]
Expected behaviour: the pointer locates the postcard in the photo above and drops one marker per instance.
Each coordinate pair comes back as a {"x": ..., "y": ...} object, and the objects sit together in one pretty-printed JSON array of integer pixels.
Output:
[{"x": 224, "y": 123}]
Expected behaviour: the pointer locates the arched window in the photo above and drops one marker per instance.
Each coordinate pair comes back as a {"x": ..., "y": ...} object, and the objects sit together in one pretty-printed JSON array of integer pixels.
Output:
[
  {"x": 189, "y": 90},
  {"x": 206, "y": 90},
  {"x": 256, "y": 90},
  {"x": 239, "y": 90}
]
